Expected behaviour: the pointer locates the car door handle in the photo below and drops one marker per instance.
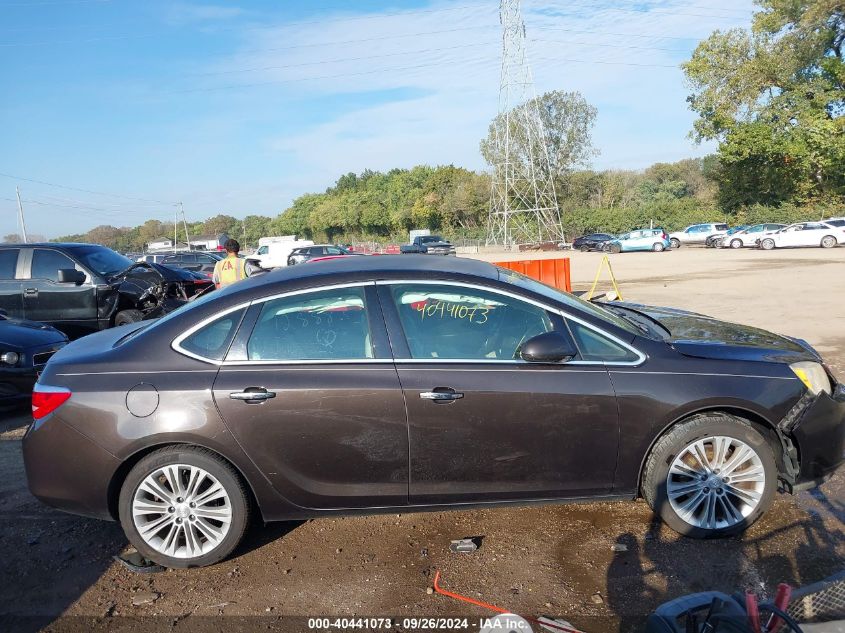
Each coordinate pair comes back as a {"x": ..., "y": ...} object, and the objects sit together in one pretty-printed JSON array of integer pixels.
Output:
[
  {"x": 441, "y": 396},
  {"x": 259, "y": 395},
  {"x": 31, "y": 292}
]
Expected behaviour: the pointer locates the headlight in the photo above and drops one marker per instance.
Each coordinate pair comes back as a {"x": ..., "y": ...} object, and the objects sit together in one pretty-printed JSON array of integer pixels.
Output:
[
  {"x": 9, "y": 358},
  {"x": 812, "y": 375}
]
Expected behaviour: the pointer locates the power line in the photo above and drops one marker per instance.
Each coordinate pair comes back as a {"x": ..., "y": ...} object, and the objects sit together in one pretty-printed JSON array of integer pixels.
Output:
[
  {"x": 96, "y": 193},
  {"x": 242, "y": 28},
  {"x": 341, "y": 60}
]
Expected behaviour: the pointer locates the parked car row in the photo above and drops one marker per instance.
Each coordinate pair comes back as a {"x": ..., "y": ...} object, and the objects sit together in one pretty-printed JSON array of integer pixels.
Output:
[{"x": 767, "y": 236}]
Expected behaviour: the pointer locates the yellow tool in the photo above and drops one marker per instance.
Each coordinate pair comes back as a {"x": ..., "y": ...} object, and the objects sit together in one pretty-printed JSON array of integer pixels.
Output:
[{"x": 605, "y": 261}]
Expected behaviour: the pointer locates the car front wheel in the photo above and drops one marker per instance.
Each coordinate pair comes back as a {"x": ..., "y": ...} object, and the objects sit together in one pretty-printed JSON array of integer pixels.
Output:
[
  {"x": 710, "y": 476},
  {"x": 736, "y": 243},
  {"x": 676, "y": 243},
  {"x": 183, "y": 506},
  {"x": 767, "y": 244}
]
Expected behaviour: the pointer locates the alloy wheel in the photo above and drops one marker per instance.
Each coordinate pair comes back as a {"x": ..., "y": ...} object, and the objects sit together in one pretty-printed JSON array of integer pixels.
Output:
[
  {"x": 181, "y": 511},
  {"x": 715, "y": 482},
  {"x": 736, "y": 243}
]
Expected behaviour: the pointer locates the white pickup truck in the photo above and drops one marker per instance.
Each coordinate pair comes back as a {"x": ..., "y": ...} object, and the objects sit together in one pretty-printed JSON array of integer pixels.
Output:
[{"x": 275, "y": 253}]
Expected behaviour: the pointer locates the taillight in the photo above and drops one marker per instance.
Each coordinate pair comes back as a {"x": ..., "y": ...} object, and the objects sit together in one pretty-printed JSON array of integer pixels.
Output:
[{"x": 46, "y": 399}]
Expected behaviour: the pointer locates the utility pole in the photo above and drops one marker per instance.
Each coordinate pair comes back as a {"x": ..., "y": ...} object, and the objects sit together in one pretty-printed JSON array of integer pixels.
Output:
[
  {"x": 20, "y": 215},
  {"x": 185, "y": 224},
  {"x": 523, "y": 203},
  {"x": 175, "y": 228}
]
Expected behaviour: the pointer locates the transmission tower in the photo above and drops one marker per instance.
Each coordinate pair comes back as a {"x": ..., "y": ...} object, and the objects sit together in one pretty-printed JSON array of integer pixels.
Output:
[{"x": 523, "y": 204}]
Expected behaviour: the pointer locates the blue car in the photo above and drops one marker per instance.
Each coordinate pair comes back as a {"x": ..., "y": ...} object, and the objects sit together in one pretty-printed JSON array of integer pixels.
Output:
[{"x": 640, "y": 240}]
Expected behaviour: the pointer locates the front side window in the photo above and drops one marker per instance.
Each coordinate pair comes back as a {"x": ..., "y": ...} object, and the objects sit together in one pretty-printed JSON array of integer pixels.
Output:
[
  {"x": 594, "y": 346},
  {"x": 47, "y": 263},
  {"x": 322, "y": 325},
  {"x": 212, "y": 340},
  {"x": 456, "y": 322}
]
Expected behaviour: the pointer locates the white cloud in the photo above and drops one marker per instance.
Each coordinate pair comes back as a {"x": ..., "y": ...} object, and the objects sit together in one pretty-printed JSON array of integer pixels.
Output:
[{"x": 623, "y": 57}]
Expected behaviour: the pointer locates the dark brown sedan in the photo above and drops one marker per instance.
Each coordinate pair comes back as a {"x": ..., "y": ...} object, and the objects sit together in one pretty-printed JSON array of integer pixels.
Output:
[{"x": 397, "y": 383}]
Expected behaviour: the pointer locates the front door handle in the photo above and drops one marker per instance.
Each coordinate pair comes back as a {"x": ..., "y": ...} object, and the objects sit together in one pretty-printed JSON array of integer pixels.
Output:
[
  {"x": 31, "y": 292},
  {"x": 252, "y": 394},
  {"x": 440, "y": 394}
]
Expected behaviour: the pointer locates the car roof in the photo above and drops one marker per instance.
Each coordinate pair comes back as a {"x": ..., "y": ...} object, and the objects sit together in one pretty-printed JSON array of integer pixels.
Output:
[
  {"x": 369, "y": 267},
  {"x": 50, "y": 245}
]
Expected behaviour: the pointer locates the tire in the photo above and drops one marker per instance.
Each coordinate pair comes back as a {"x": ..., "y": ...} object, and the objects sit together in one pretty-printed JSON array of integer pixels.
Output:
[
  {"x": 737, "y": 243},
  {"x": 828, "y": 241},
  {"x": 658, "y": 247},
  {"x": 233, "y": 507},
  {"x": 125, "y": 317},
  {"x": 675, "y": 242},
  {"x": 585, "y": 248},
  {"x": 710, "y": 430},
  {"x": 615, "y": 248},
  {"x": 767, "y": 244}
]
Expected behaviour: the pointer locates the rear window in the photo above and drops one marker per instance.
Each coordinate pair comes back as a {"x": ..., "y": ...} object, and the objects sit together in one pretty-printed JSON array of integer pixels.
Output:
[
  {"x": 212, "y": 340},
  {"x": 8, "y": 262}
]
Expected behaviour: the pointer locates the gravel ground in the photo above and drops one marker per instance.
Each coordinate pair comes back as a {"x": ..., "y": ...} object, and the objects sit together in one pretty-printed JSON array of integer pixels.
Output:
[{"x": 602, "y": 566}]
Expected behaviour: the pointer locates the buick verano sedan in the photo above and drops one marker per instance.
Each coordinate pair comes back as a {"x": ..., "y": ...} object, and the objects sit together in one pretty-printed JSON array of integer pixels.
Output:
[{"x": 399, "y": 384}]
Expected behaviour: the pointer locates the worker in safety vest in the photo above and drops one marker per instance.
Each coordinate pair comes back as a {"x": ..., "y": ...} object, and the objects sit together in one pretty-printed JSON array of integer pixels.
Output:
[{"x": 232, "y": 269}]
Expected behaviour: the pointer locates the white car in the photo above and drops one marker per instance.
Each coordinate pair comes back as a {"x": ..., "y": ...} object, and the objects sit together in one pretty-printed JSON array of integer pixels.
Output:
[
  {"x": 748, "y": 237},
  {"x": 696, "y": 234},
  {"x": 804, "y": 234}
]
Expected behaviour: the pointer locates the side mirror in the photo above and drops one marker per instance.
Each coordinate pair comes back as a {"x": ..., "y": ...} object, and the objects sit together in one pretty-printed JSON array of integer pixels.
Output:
[
  {"x": 549, "y": 347},
  {"x": 71, "y": 276}
]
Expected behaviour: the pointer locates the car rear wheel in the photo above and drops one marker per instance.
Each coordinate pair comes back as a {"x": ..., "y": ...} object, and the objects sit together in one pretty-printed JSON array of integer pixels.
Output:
[
  {"x": 184, "y": 507},
  {"x": 658, "y": 247},
  {"x": 584, "y": 248},
  {"x": 736, "y": 243},
  {"x": 615, "y": 248},
  {"x": 710, "y": 476},
  {"x": 125, "y": 317},
  {"x": 767, "y": 244},
  {"x": 676, "y": 243},
  {"x": 828, "y": 241}
]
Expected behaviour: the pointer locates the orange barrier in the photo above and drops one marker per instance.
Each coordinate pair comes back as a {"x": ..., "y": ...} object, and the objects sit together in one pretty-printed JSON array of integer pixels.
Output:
[{"x": 554, "y": 272}]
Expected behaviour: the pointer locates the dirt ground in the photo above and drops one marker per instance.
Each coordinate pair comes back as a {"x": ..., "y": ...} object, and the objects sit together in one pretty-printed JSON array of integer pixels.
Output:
[{"x": 58, "y": 573}]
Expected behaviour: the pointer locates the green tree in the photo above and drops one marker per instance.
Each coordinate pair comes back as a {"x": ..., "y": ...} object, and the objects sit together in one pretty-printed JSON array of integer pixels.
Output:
[
  {"x": 567, "y": 120},
  {"x": 774, "y": 96}
]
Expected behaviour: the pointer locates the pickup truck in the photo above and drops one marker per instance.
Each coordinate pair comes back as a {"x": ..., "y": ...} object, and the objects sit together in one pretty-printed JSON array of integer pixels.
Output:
[{"x": 428, "y": 245}]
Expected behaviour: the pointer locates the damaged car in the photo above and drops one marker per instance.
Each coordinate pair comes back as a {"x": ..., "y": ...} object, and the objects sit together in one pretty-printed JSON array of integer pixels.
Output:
[
  {"x": 83, "y": 288},
  {"x": 456, "y": 384},
  {"x": 25, "y": 347}
]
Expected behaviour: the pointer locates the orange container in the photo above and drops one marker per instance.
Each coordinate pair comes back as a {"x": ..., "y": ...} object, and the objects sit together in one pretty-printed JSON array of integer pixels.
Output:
[{"x": 554, "y": 272}]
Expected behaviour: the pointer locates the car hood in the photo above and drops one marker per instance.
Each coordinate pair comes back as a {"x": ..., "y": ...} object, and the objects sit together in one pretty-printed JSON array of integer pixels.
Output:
[
  {"x": 697, "y": 335},
  {"x": 20, "y": 334}
]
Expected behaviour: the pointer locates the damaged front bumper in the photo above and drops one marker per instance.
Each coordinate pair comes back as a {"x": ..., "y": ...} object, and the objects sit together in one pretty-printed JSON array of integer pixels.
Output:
[{"x": 813, "y": 439}]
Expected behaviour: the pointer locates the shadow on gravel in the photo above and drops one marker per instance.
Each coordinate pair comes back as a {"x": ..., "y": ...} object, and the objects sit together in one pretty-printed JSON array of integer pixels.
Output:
[{"x": 665, "y": 565}]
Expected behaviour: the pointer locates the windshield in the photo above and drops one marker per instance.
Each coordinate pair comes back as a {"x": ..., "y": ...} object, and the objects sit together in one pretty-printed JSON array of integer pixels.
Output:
[
  {"x": 103, "y": 261},
  {"x": 568, "y": 299}
]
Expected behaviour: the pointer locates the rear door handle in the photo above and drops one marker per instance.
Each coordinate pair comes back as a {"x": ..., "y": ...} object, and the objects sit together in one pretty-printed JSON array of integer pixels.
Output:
[
  {"x": 31, "y": 292},
  {"x": 252, "y": 394},
  {"x": 441, "y": 395}
]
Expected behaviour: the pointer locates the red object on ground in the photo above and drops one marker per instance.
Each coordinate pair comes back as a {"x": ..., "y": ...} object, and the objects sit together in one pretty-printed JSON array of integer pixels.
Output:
[
  {"x": 753, "y": 612},
  {"x": 553, "y": 272},
  {"x": 392, "y": 249},
  {"x": 493, "y": 607},
  {"x": 784, "y": 593}
]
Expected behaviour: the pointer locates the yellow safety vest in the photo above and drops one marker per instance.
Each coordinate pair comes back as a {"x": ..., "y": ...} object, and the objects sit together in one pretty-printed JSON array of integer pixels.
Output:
[{"x": 228, "y": 271}]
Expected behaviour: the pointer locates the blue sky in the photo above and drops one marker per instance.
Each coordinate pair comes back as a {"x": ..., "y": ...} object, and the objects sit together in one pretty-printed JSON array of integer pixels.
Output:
[{"x": 240, "y": 107}]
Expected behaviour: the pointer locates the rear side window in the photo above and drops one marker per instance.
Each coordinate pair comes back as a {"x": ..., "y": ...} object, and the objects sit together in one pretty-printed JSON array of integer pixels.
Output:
[
  {"x": 47, "y": 263},
  {"x": 8, "y": 262},
  {"x": 721, "y": 227},
  {"x": 322, "y": 325},
  {"x": 212, "y": 340},
  {"x": 597, "y": 347}
]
